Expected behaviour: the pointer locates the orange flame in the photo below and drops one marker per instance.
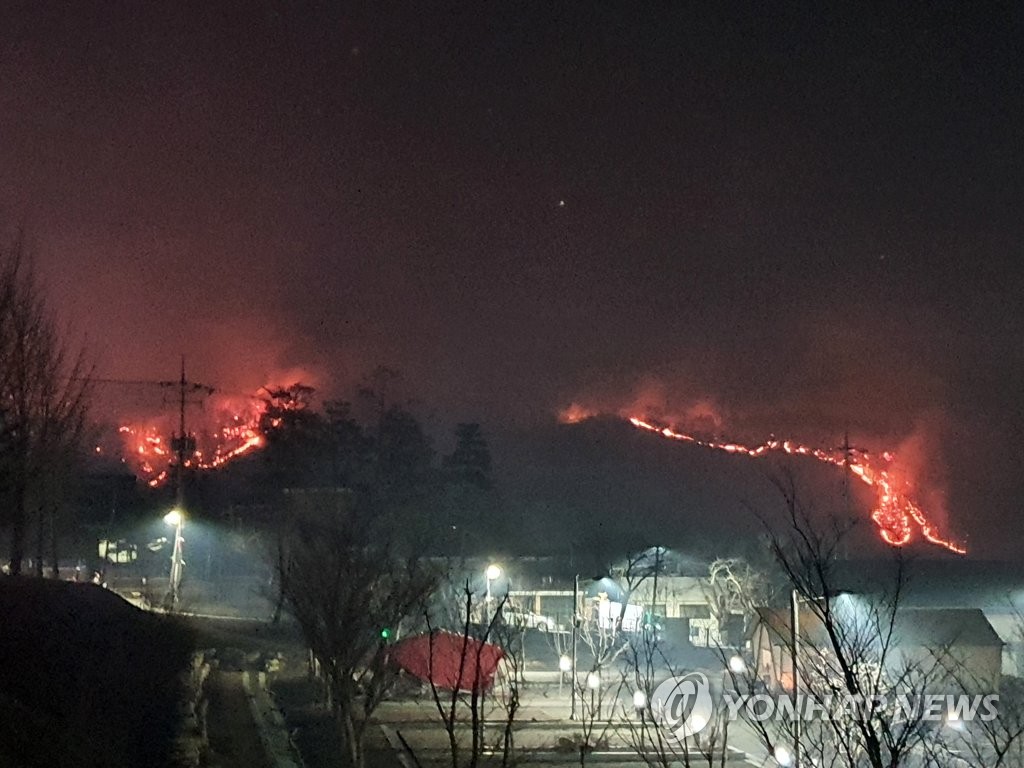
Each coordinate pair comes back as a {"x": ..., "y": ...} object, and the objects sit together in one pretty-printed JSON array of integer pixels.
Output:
[
  {"x": 895, "y": 513},
  {"x": 151, "y": 455},
  {"x": 574, "y": 414}
]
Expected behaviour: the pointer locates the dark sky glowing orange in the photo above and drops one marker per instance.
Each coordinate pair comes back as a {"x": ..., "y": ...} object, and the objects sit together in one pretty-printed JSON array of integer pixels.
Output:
[{"x": 521, "y": 206}]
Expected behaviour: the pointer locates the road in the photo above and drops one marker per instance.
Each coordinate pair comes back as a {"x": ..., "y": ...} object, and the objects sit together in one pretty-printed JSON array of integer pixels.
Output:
[
  {"x": 234, "y": 738},
  {"x": 543, "y": 731}
]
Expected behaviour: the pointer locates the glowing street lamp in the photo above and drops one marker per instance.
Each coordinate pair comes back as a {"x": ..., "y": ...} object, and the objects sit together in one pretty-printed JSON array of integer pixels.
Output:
[
  {"x": 177, "y": 519},
  {"x": 954, "y": 722},
  {"x": 737, "y": 665},
  {"x": 564, "y": 665},
  {"x": 594, "y": 684},
  {"x": 640, "y": 702},
  {"x": 783, "y": 756},
  {"x": 493, "y": 572}
]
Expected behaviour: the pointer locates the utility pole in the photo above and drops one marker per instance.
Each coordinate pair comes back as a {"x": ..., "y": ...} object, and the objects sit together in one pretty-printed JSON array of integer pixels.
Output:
[
  {"x": 654, "y": 590},
  {"x": 184, "y": 445},
  {"x": 794, "y": 628},
  {"x": 181, "y": 440},
  {"x": 575, "y": 635},
  {"x": 847, "y": 450}
]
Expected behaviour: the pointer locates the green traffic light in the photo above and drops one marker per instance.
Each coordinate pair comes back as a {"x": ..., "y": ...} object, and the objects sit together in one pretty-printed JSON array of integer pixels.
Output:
[{"x": 385, "y": 633}]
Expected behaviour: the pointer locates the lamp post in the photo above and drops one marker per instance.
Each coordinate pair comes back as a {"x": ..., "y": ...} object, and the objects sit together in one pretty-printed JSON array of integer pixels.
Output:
[
  {"x": 564, "y": 665},
  {"x": 493, "y": 572},
  {"x": 794, "y": 627},
  {"x": 177, "y": 519},
  {"x": 783, "y": 756},
  {"x": 654, "y": 590},
  {"x": 575, "y": 633},
  {"x": 640, "y": 703},
  {"x": 594, "y": 684}
]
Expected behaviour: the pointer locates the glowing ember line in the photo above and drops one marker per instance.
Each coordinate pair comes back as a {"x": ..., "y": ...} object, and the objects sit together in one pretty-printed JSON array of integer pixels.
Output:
[
  {"x": 895, "y": 514},
  {"x": 152, "y": 456}
]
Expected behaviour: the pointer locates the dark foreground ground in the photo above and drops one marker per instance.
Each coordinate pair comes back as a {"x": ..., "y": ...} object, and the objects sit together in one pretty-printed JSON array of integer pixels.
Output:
[
  {"x": 85, "y": 678},
  {"x": 88, "y": 680}
]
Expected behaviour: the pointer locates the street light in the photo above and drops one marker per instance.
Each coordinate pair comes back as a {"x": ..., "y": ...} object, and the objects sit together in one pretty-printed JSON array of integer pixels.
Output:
[
  {"x": 783, "y": 757},
  {"x": 794, "y": 626},
  {"x": 177, "y": 519},
  {"x": 952, "y": 720},
  {"x": 493, "y": 572},
  {"x": 575, "y": 633},
  {"x": 594, "y": 684},
  {"x": 564, "y": 665},
  {"x": 640, "y": 702},
  {"x": 737, "y": 665}
]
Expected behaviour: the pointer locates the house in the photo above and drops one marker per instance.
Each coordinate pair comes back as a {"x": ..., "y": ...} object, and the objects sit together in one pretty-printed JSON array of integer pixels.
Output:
[
  {"x": 950, "y": 648},
  {"x": 959, "y": 643},
  {"x": 686, "y": 598},
  {"x": 680, "y": 602},
  {"x": 1009, "y": 625}
]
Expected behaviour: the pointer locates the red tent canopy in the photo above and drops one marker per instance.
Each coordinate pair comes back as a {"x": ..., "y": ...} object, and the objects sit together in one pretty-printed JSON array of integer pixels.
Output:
[{"x": 451, "y": 661}]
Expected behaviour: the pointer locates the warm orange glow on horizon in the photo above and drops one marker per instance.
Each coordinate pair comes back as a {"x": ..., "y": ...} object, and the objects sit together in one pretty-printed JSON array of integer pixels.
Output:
[{"x": 574, "y": 414}]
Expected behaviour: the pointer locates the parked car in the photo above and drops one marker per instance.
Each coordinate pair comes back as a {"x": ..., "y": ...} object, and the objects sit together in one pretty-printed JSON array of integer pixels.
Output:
[{"x": 530, "y": 620}]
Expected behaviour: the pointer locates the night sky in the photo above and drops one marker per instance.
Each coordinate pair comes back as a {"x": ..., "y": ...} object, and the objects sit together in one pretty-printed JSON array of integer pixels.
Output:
[{"x": 775, "y": 220}]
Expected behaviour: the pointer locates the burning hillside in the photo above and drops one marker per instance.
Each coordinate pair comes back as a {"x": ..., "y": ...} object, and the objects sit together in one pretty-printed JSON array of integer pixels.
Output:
[
  {"x": 223, "y": 428},
  {"x": 896, "y": 513}
]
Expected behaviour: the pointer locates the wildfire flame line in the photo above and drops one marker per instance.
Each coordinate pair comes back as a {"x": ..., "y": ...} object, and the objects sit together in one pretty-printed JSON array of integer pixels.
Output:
[
  {"x": 152, "y": 456},
  {"x": 895, "y": 513}
]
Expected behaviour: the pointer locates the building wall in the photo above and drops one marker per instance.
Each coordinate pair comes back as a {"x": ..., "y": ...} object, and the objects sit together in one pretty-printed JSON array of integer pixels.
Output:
[
  {"x": 681, "y": 596},
  {"x": 972, "y": 669}
]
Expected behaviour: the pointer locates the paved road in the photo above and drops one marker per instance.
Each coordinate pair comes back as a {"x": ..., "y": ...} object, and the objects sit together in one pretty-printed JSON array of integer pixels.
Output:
[
  {"x": 234, "y": 739},
  {"x": 542, "y": 731}
]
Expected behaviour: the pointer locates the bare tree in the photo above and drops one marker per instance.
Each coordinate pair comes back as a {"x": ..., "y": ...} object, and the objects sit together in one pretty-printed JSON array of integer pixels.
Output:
[
  {"x": 983, "y": 740},
  {"x": 477, "y": 628},
  {"x": 352, "y": 590},
  {"x": 734, "y": 587},
  {"x": 598, "y": 695},
  {"x": 598, "y": 688},
  {"x": 853, "y": 649},
  {"x": 44, "y": 388},
  {"x": 647, "y": 663}
]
